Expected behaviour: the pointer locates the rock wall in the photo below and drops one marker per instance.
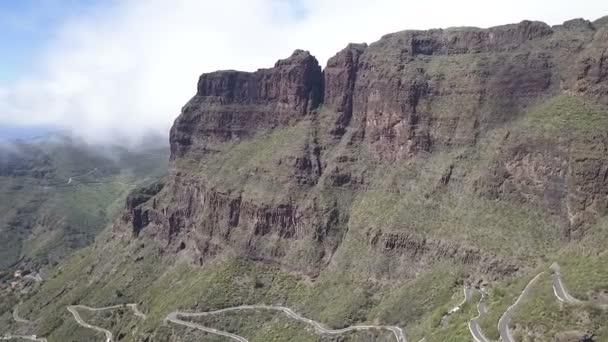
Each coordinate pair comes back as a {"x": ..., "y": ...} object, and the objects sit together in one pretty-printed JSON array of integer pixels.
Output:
[
  {"x": 570, "y": 181},
  {"x": 408, "y": 95},
  {"x": 204, "y": 221},
  {"x": 233, "y": 104},
  {"x": 411, "y": 92},
  {"x": 419, "y": 91}
]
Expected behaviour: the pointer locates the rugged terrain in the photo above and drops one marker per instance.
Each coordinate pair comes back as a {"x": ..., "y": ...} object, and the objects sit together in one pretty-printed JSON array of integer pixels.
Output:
[{"x": 370, "y": 191}]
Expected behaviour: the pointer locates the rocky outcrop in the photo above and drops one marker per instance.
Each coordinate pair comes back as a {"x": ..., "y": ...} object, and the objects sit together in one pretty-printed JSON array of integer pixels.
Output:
[
  {"x": 205, "y": 221},
  {"x": 233, "y": 104},
  {"x": 588, "y": 75},
  {"x": 340, "y": 76},
  {"x": 411, "y": 92},
  {"x": 427, "y": 250},
  {"x": 421, "y": 91},
  {"x": 472, "y": 40},
  {"x": 569, "y": 180},
  {"x": 133, "y": 211},
  {"x": 575, "y": 336}
]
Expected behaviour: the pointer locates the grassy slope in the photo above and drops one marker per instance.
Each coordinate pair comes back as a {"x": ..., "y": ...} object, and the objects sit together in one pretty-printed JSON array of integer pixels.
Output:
[
  {"x": 402, "y": 198},
  {"x": 46, "y": 218},
  {"x": 264, "y": 325}
]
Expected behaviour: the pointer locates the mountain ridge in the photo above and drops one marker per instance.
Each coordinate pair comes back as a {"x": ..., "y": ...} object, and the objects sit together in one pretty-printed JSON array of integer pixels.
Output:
[
  {"x": 402, "y": 109},
  {"x": 371, "y": 191}
]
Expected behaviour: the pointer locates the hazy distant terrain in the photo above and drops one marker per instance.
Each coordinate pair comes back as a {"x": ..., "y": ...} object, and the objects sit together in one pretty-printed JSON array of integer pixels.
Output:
[{"x": 56, "y": 195}]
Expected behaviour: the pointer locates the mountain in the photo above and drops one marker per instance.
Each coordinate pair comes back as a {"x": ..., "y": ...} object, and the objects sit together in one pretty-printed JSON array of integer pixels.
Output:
[{"x": 375, "y": 191}]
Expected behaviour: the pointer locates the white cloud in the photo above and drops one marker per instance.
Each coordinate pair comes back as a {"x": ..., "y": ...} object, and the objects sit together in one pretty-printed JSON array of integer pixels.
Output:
[{"x": 126, "y": 70}]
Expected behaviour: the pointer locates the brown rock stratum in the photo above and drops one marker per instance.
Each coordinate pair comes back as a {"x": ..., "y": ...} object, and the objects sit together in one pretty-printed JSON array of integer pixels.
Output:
[{"x": 410, "y": 95}]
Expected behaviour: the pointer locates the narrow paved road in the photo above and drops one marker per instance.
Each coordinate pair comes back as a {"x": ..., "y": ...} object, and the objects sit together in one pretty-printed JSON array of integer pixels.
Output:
[
  {"x": 133, "y": 308},
  {"x": 73, "y": 309},
  {"x": 23, "y": 337},
  {"x": 79, "y": 320},
  {"x": 397, "y": 332},
  {"x": 468, "y": 293},
  {"x": 503, "y": 322},
  {"x": 474, "y": 327},
  {"x": 559, "y": 289},
  {"x": 19, "y": 319},
  {"x": 173, "y": 318}
]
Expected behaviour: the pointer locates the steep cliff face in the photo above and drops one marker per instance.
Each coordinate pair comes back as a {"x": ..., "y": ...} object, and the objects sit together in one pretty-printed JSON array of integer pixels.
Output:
[
  {"x": 233, "y": 105},
  {"x": 340, "y": 77},
  {"x": 417, "y": 92},
  {"x": 365, "y": 193},
  {"x": 423, "y": 91},
  {"x": 267, "y": 165},
  {"x": 568, "y": 180}
]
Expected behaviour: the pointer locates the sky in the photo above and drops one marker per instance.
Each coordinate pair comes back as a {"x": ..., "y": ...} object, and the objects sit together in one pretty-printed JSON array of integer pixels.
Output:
[{"x": 115, "y": 71}]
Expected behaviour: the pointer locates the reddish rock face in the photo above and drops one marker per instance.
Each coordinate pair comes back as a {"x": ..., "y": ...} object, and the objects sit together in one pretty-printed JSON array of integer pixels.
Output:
[
  {"x": 420, "y": 91},
  {"x": 293, "y": 86},
  {"x": 410, "y": 94},
  {"x": 340, "y": 76},
  {"x": 570, "y": 181},
  {"x": 233, "y": 104}
]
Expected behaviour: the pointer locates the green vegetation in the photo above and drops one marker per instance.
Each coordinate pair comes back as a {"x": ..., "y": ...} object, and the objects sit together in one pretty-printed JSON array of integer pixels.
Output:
[
  {"x": 449, "y": 233},
  {"x": 454, "y": 329},
  {"x": 57, "y": 197},
  {"x": 566, "y": 117},
  {"x": 410, "y": 301},
  {"x": 260, "y": 168},
  {"x": 266, "y": 325},
  {"x": 408, "y": 198},
  {"x": 542, "y": 315},
  {"x": 583, "y": 265}
]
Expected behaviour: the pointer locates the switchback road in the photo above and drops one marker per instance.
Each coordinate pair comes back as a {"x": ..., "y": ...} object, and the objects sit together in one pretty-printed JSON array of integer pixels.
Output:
[
  {"x": 503, "y": 322},
  {"x": 474, "y": 327},
  {"x": 173, "y": 317},
  {"x": 73, "y": 309}
]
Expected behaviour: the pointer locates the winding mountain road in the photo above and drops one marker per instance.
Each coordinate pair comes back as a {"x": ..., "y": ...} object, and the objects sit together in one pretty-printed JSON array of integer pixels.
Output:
[
  {"x": 468, "y": 293},
  {"x": 503, "y": 322},
  {"x": 18, "y": 318},
  {"x": 73, "y": 309},
  {"x": 474, "y": 327},
  {"x": 23, "y": 337},
  {"x": 559, "y": 289},
  {"x": 69, "y": 181},
  {"x": 173, "y": 317},
  {"x": 80, "y": 321}
]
